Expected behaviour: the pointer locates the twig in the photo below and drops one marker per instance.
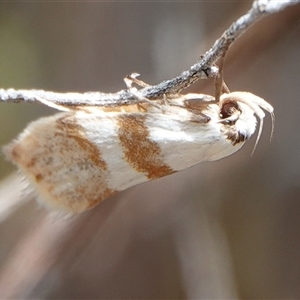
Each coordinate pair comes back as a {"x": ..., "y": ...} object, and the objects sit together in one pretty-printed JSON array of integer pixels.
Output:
[{"x": 200, "y": 70}]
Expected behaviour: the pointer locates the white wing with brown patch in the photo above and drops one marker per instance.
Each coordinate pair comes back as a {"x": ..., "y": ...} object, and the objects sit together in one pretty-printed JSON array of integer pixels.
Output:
[{"x": 78, "y": 158}]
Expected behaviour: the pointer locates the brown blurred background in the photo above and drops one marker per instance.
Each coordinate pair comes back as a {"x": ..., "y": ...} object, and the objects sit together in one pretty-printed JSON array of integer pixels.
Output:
[{"x": 225, "y": 229}]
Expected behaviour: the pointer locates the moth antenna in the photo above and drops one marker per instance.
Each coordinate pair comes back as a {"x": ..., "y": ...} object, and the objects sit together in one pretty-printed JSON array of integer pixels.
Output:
[
  {"x": 225, "y": 88},
  {"x": 261, "y": 125},
  {"x": 273, "y": 124}
]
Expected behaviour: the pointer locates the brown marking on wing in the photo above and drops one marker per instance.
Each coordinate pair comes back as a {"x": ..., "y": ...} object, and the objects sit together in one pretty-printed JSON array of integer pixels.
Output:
[
  {"x": 140, "y": 152},
  {"x": 14, "y": 153},
  {"x": 39, "y": 177},
  {"x": 74, "y": 131},
  {"x": 235, "y": 136},
  {"x": 86, "y": 198},
  {"x": 52, "y": 153}
]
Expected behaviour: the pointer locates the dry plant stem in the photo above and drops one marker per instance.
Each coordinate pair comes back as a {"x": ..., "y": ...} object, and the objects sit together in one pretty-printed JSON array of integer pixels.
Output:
[{"x": 200, "y": 70}]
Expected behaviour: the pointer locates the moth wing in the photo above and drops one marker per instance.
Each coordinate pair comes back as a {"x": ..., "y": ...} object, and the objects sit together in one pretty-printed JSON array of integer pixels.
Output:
[{"x": 59, "y": 160}]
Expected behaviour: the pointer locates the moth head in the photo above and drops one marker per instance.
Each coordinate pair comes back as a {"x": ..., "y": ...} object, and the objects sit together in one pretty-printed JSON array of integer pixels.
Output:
[{"x": 238, "y": 108}]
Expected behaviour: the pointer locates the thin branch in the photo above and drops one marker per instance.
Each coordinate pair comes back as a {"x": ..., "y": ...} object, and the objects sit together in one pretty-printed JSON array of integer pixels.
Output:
[{"x": 200, "y": 70}]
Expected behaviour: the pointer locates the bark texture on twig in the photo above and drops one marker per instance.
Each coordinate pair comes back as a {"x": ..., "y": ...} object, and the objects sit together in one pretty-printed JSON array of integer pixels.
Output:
[{"x": 202, "y": 69}]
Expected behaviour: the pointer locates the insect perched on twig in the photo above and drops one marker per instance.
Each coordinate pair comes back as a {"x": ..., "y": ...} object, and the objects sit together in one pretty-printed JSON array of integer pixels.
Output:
[{"x": 77, "y": 158}]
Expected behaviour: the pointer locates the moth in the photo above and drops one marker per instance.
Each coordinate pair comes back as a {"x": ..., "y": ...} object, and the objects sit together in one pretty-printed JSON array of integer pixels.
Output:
[{"x": 81, "y": 156}]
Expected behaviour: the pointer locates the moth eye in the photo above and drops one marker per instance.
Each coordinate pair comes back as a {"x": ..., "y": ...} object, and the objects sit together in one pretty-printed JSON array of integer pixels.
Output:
[{"x": 228, "y": 108}]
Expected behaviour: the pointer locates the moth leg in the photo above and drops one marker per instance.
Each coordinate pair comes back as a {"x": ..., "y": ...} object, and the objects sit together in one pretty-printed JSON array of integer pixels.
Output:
[
  {"x": 129, "y": 80},
  {"x": 138, "y": 95},
  {"x": 197, "y": 115},
  {"x": 220, "y": 85},
  {"x": 132, "y": 78},
  {"x": 165, "y": 101}
]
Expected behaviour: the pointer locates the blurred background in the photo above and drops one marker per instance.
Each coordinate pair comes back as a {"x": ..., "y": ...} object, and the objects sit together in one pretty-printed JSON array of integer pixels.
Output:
[{"x": 225, "y": 229}]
